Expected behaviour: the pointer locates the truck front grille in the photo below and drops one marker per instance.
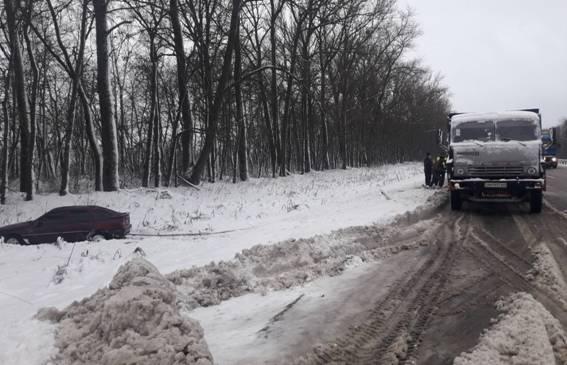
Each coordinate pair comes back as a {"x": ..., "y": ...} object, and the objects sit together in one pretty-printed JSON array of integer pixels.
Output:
[{"x": 498, "y": 171}]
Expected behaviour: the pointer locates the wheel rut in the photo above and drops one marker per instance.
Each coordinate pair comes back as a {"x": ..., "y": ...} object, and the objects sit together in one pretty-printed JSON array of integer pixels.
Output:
[
  {"x": 392, "y": 330},
  {"x": 439, "y": 308},
  {"x": 511, "y": 270}
]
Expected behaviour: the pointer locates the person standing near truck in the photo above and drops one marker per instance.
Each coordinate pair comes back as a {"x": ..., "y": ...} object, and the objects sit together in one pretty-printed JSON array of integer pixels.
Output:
[
  {"x": 428, "y": 168},
  {"x": 441, "y": 169}
]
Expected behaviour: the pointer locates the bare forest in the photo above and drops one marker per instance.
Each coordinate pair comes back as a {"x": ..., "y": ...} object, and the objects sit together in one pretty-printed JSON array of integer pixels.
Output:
[{"x": 124, "y": 93}]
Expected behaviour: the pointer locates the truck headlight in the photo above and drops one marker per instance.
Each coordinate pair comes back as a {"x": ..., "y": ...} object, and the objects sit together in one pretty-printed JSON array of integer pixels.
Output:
[
  {"x": 532, "y": 171},
  {"x": 554, "y": 159},
  {"x": 459, "y": 171}
]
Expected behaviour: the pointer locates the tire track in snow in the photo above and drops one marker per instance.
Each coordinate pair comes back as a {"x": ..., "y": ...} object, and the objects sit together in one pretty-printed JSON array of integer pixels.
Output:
[
  {"x": 507, "y": 271},
  {"x": 394, "y": 327}
]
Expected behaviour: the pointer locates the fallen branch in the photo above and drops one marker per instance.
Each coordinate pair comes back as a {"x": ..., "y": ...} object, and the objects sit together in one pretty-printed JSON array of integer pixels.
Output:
[
  {"x": 188, "y": 183},
  {"x": 189, "y": 234},
  {"x": 16, "y": 297}
]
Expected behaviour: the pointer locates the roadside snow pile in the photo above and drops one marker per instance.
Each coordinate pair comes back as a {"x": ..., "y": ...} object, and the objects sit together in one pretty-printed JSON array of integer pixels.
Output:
[
  {"x": 546, "y": 272},
  {"x": 295, "y": 262},
  {"x": 525, "y": 333},
  {"x": 133, "y": 321}
]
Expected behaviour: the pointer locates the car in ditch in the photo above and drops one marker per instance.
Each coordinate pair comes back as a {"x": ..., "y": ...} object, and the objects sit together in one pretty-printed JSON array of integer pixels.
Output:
[
  {"x": 496, "y": 157},
  {"x": 72, "y": 224}
]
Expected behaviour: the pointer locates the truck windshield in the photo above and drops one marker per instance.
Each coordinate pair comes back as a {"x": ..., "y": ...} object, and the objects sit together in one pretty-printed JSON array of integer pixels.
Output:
[
  {"x": 516, "y": 130},
  {"x": 482, "y": 130}
]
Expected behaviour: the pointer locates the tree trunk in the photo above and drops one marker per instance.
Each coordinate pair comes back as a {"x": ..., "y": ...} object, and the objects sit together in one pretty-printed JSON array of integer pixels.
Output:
[
  {"x": 242, "y": 142},
  {"x": 305, "y": 106},
  {"x": 157, "y": 137},
  {"x": 285, "y": 121},
  {"x": 323, "y": 111},
  {"x": 274, "y": 86},
  {"x": 110, "y": 179},
  {"x": 150, "y": 150},
  {"x": 5, "y": 139},
  {"x": 184, "y": 102},
  {"x": 219, "y": 97},
  {"x": 93, "y": 143},
  {"x": 269, "y": 128},
  {"x": 63, "y": 190},
  {"x": 342, "y": 134},
  {"x": 23, "y": 110},
  {"x": 33, "y": 101}
]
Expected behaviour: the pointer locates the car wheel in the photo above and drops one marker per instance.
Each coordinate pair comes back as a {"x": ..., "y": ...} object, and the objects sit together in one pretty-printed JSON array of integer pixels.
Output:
[
  {"x": 97, "y": 237},
  {"x": 14, "y": 240}
]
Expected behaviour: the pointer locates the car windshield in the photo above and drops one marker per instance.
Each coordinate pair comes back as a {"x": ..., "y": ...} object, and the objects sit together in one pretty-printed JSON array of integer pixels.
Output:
[
  {"x": 517, "y": 130},
  {"x": 481, "y": 130}
]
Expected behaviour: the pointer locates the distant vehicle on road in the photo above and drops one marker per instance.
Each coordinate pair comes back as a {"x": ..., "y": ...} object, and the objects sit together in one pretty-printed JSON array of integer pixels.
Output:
[
  {"x": 496, "y": 157},
  {"x": 550, "y": 146},
  {"x": 73, "y": 224}
]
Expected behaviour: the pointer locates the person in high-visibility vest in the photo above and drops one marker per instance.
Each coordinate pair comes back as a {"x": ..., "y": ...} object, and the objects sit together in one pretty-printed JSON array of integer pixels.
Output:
[{"x": 428, "y": 169}]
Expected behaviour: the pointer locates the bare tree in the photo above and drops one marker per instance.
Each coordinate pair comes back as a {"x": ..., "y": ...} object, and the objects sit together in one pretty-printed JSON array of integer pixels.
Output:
[
  {"x": 219, "y": 97},
  {"x": 288, "y": 87},
  {"x": 110, "y": 180},
  {"x": 5, "y": 128},
  {"x": 184, "y": 102},
  {"x": 23, "y": 109},
  {"x": 242, "y": 135}
]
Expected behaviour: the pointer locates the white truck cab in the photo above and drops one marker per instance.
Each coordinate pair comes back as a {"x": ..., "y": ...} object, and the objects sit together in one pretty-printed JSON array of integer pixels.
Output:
[{"x": 496, "y": 157}]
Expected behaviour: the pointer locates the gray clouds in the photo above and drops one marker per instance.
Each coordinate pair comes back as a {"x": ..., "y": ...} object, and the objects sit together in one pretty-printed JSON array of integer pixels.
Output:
[{"x": 497, "y": 54}]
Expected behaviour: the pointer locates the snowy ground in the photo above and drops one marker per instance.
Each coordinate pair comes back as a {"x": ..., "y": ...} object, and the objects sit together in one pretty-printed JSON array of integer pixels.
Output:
[{"x": 263, "y": 211}]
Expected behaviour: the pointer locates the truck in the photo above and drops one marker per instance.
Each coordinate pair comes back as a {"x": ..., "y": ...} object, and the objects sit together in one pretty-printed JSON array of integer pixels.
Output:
[
  {"x": 550, "y": 146},
  {"x": 496, "y": 157}
]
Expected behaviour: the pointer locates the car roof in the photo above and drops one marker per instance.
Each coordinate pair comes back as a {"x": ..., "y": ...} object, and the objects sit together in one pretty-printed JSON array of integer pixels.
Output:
[{"x": 72, "y": 208}]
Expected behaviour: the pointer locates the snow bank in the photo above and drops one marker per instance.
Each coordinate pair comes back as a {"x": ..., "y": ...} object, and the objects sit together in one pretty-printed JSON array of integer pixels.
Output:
[
  {"x": 525, "y": 333},
  {"x": 260, "y": 212},
  {"x": 295, "y": 262},
  {"x": 546, "y": 272},
  {"x": 224, "y": 205},
  {"x": 133, "y": 321}
]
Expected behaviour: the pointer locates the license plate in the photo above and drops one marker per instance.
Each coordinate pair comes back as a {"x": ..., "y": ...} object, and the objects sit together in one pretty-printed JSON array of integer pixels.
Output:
[{"x": 495, "y": 185}]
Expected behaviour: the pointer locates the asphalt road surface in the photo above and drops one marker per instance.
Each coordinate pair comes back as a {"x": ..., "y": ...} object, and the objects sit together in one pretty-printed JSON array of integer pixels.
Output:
[{"x": 439, "y": 306}]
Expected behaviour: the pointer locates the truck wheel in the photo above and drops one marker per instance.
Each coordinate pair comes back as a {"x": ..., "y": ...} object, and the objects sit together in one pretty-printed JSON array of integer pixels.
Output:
[
  {"x": 536, "y": 201},
  {"x": 456, "y": 200}
]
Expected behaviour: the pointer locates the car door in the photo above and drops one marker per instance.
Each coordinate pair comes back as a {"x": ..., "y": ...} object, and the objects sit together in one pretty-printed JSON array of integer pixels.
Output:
[
  {"x": 79, "y": 225},
  {"x": 48, "y": 228}
]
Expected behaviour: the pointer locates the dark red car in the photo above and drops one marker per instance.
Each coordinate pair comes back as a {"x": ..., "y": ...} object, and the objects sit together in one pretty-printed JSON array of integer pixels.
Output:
[{"x": 76, "y": 223}]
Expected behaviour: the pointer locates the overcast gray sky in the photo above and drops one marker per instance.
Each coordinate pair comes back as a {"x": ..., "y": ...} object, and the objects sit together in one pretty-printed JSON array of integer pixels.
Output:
[{"x": 497, "y": 54}]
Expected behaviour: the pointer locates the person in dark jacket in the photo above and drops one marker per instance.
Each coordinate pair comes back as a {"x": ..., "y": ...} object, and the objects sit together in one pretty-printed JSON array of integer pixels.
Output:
[
  {"x": 428, "y": 168},
  {"x": 439, "y": 168}
]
